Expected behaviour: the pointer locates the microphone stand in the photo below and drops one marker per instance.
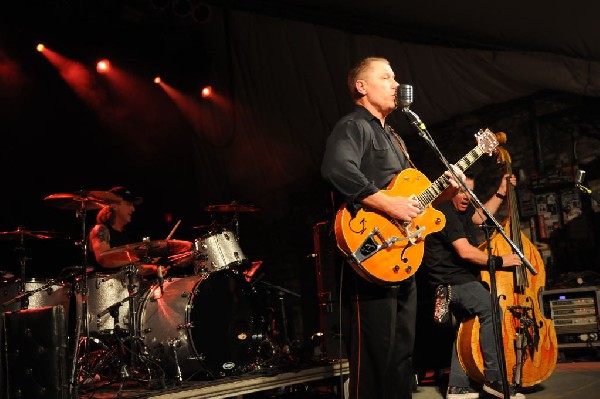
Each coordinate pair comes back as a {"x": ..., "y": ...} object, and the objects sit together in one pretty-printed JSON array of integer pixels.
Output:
[
  {"x": 415, "y": 121},
  {"x": 422, "y": 130}
]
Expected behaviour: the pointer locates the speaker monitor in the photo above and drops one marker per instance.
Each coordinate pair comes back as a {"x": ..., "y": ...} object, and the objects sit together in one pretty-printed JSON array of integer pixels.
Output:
[{"x": 34, "y": 347}]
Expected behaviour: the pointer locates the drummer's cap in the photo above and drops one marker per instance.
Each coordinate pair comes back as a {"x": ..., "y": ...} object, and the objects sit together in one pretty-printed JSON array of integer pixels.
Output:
[{"x": 127, "y": 195}]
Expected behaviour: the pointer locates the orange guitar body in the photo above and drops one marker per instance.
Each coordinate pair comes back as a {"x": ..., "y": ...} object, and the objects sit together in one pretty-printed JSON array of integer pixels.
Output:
[
  {"x": 385, "y": 251},
  {"x": 401, "y": 259}
]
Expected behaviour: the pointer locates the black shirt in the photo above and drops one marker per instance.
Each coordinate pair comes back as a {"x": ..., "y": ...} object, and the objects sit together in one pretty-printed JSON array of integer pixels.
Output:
[
  {"x": 441, "y": 261},
  {"x": 117, "y": 239},
  {"x": 361, "y": 157}
]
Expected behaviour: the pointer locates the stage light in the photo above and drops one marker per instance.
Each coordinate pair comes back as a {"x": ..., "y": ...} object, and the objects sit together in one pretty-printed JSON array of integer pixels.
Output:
[
  {"x": 157, "y": 80},
  {"x": 40, "y": 47},
  {"x": 206, "y": 91},
  {"x": 103, "y": 66}
]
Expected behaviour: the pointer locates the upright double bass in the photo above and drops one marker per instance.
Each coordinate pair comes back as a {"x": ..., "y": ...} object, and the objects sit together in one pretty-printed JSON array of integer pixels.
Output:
[{"x": 528, "y": 338}]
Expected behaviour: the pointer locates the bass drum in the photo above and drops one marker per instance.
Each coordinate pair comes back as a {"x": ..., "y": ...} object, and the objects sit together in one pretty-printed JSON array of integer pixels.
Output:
[{"x": 201, "y": 324}]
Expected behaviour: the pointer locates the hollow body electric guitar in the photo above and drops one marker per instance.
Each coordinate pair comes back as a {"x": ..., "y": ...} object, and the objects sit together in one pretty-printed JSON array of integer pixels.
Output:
[{"x": 386, "y": 251}]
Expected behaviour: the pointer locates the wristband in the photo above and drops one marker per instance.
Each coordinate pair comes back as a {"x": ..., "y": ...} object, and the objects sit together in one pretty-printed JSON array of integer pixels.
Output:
[
  {"x": 501, "y": 196},
  {"x": 498, "y": 261}
]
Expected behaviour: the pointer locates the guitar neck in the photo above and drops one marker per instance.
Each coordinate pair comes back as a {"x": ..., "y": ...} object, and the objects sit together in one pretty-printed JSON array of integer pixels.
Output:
[{"x": 440, "y": 184}]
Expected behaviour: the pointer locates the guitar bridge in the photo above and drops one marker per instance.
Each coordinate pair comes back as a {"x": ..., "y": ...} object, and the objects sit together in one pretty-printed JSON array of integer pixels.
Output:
[{"x": 370, "y": 246}]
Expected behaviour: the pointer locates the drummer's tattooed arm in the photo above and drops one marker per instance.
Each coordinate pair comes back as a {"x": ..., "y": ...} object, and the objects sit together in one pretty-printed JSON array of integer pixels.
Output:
[{"x": 102, "y": 234}]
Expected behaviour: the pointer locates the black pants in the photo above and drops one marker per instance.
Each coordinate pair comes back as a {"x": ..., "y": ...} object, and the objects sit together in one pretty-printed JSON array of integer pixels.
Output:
[{"x": 382, "y": 336}]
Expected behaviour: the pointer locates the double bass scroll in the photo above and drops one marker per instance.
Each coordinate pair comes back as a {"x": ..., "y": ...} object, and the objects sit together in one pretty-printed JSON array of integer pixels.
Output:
[{"x": 528, "y": 338}]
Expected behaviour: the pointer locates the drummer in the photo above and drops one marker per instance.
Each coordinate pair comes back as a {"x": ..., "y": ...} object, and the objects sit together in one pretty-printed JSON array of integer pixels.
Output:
[{"x": 110, "y": 232}]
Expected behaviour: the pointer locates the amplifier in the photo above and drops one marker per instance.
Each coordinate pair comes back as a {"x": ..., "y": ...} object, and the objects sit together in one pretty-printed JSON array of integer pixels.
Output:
[
  {"x": 574, "y": 312},
  {"x": 328, "y": 264}
]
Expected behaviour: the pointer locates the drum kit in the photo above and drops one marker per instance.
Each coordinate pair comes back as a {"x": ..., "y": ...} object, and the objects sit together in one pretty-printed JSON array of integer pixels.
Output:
[{"x": 127, "y": 327}]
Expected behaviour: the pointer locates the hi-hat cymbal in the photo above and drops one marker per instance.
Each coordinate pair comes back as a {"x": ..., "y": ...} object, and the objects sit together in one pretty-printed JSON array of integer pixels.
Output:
[
  {"x": 233, "y": 207},
  {"x": 26, "y": 234},
  {"x": 146, "y": 249},
  {"x": 84, "y": 199}
]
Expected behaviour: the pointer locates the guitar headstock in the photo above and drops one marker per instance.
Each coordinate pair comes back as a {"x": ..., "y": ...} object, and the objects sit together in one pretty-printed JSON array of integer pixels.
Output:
[{"x": 486, "y": 140}]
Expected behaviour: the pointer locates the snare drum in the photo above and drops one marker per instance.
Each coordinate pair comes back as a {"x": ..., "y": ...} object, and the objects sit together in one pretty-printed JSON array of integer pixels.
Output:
[
  {"x": 108, "y": 297},
  {"x": 201, "y": 323},
  {"x": 219, "y": 250}
]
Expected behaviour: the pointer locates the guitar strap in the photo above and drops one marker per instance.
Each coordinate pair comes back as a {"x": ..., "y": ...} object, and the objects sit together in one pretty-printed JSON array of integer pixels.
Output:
[{"x": 401, "y": 145}]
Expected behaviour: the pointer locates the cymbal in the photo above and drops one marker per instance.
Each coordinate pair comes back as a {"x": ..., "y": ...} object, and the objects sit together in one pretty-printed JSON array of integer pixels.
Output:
[
  {"x": 6, "y": 274},
  {"x": 233, "y": 207},
  {"x": 150, "y": 249},
  {"x": 86, "y": 199},
  {"x": 22, "y": 233}
]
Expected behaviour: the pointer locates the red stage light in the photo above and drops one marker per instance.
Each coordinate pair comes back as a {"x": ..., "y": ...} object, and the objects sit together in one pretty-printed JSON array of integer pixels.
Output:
[
  {"x": 207, "y": 91},
  {"x": 103, "y": 66}
]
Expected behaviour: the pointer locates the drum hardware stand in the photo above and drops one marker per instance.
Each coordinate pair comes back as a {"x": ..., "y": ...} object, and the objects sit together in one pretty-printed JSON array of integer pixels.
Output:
[
  {"x": 82, "y": 321},
  {"x": 285, "y": 346},
  {"x": 175, "y": 343},
  {"x": 236, "y": 222},
  {"x": 135, "y": 342},
  {"x": 23, "y": 259}
]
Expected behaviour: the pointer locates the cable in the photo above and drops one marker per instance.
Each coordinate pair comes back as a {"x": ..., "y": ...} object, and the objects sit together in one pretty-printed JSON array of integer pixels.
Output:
[{"x": 340, "y": 329}]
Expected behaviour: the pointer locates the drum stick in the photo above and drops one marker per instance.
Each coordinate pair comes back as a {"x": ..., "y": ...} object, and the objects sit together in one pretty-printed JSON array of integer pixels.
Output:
[{"x": 173, "y": 231}]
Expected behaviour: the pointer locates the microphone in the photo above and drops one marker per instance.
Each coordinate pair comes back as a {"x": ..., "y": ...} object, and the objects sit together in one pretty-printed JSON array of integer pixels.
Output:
[
  {"x": 579, "y": 177},
  {"x": 161, "y": 279},
  {"x": 579, "y": 182},
  {"x": 405, "y": 97}
]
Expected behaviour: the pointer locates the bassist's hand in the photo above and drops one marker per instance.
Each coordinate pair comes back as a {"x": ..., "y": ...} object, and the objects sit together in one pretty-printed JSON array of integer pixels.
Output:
[{"x": 511, "y": 259}]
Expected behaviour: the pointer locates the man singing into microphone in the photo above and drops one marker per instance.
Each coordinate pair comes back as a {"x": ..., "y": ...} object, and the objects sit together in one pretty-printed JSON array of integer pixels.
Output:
[{"x": 362, "y": 156}]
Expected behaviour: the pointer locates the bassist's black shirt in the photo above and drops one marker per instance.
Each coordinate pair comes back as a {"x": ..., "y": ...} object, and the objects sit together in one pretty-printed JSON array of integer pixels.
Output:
[{"x": 441, "y": 261}]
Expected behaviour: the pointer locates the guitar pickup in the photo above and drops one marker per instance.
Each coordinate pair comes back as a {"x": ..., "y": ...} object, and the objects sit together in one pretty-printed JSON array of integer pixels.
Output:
[{"x": 370, "y": 246}]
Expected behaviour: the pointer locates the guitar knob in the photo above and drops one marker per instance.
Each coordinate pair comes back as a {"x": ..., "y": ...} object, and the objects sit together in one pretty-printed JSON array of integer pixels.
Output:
[
  {"x": 396, "y": 268},
  {"x": 438, "y": 220},
  {"x": 408, "y": 269}
]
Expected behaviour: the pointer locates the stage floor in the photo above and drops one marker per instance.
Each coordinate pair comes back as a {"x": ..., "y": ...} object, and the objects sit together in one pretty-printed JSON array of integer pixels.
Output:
[
  {"x": 569, "y": 380},
  {"x": 321, "y": 379}
]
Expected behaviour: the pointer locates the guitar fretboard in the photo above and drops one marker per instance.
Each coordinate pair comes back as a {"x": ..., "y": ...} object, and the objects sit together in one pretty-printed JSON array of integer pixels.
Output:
[{"x": 440, "y": 184}]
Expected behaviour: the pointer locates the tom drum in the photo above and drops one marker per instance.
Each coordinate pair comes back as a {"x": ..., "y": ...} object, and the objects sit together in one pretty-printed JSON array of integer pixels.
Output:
[
  {"x": 219, "y": 250},
  {"x": 41, "y": 294}
]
